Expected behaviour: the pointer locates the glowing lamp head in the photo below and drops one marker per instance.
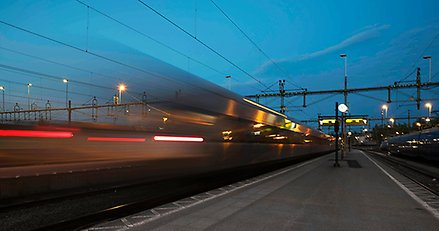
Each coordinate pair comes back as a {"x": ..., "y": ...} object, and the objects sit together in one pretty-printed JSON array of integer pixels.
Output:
[
  {"x": 418, "y": 124},
  {"x": 2, "y": 88},
  {"x": 392, "y": 120},
  {"x": 428, "y": 105},
  {"x": 384, "y": 107},
  {"x": 121, "y": 87},
  {"x": 427, "y": 119},
  {"x": 29, "y": 84},
  {"x": 343, "y": 108},
  {"x": 65, "y": 80}
]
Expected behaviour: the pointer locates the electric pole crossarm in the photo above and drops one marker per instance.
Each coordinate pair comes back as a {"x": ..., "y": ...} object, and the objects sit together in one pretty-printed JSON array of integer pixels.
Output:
[{"x": 351, "y": 90}]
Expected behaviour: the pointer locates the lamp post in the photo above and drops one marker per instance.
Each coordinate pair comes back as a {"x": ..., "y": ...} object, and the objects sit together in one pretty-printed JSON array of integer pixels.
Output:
[
  {"x": 429, "y": 106},
  {"x": 2, "y": 88},
  {"x": 345, "y": 93},
  {"x": 28, "y": 95},
  {"x": 343, "y": 109},
  {"x": 392, "y": 121},
  {"x": 229, "y": 82},
  {"x": 429, "y": 61},
  {"x": 385, "y": 108},
  {"x": 121, "y": 88},
  {"x": 66, "y": 81}
]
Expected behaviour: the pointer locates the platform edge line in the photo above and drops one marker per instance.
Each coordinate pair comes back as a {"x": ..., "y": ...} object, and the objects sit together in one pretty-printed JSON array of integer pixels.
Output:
[
  {"x": 221, "y": 194},
  {"x": 424, "y": 204}
]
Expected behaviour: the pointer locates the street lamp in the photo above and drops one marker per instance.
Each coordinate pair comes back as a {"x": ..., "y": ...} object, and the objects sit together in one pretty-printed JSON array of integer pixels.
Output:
[
  {"x": 66, "y": 81},
  {"x": 429, "y": 61},
  {"x": 429, "y": 106},
  {"x": 392, "y": 121},
  {"x": 28, "y": 95},
  {"x": 384, "y": 107},
  {"x": 2, "y": 88},
  {"x": 345, "y": 57},
  {"x": 121, "y": 88}
]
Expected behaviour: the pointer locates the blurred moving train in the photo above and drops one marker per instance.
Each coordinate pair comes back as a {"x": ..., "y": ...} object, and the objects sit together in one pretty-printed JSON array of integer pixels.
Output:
[
  {"x": 187, "y": 126},
  {"x": 424, "y": 144}
]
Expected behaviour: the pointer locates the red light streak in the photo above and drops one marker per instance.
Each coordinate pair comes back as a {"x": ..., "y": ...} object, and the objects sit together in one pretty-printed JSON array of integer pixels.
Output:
[
  {"x": 36, "y": 134},
  {"x": 178, "y": 138},
  {"x": 116, "y": 139}
]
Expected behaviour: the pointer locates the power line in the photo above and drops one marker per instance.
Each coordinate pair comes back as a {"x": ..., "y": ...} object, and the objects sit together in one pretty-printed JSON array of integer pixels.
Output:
[
  {"x": 53, "y": 77},
  {"x": 151, "y": 38},
  {"x": 201, "y": 42},
  {"x": 254, "y": 44},
  {"x": 36, "y": 86},
  {"x": 85, "y": 51},
  {"x": 101, "y": 56},
  {"x": 422, "y": 53},
  {"x": 56, "y": 63}
]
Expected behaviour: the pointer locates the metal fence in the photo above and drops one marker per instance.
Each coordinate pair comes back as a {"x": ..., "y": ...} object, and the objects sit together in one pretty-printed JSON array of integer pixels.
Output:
[{"x": 87, "y": 113}]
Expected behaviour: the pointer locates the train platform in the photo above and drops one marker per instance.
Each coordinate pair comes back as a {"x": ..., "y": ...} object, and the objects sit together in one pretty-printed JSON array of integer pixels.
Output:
[{"x": 360, "y": 195}]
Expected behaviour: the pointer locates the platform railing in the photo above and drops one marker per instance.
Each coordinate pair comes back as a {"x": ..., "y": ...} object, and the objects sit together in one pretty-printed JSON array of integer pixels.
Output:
[{"x": 83, "y": 113}]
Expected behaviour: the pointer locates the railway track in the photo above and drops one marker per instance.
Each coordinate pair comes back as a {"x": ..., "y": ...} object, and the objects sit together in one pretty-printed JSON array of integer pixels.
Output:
[
  {"x": 79, "y": 211},
  {"x": 422, "y": 175}
]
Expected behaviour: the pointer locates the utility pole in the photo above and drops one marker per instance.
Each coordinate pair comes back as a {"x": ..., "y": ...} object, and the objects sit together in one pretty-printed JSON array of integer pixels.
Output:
[
  {"x": 345, "y": 93},
  {"x": 418, "y": 88},
  {"x": 282, "y": 95},
  {"x": 408, "y": 119},
  {"x": 336, "y": 127}
]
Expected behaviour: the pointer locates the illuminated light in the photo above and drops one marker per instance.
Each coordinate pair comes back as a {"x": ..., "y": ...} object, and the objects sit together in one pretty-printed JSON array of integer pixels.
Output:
[
  {"x": 258, "y": 125},
  {"x": 428, "y": 105},
  {"x": 178, "y": 138},
  {"x": 384, "y": 107},
  {"x": 36, "y": 134},
  {"x": 116, "y": 139},
  {"x": 279, "y": 138},
  {"x": 308, "y": 141},
  {"x": 418, "y": 124},
  {"x": 65, "y": 80},
  {"x": 349, "y": 133},
  {"x": 121, "y": 87},
  {"x": 165, "y": 119},
  {"x": 226, "y": 133},
  {"x": 343, "y": 108},
  {"x": 264, "y": 107},
  {"x": 427, "y": 119}
]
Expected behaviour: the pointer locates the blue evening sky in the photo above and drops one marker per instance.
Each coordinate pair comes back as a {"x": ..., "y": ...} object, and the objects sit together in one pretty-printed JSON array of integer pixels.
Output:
[{"x": 384, "y": 40}]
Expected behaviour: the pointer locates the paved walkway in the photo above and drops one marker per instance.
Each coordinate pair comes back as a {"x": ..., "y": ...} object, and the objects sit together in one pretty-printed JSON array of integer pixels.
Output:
[{"x": 316, "y": 196}]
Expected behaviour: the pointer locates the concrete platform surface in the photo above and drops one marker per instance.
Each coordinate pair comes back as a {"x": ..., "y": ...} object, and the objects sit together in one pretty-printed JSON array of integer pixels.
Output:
[{"x": 316, "y": 196}]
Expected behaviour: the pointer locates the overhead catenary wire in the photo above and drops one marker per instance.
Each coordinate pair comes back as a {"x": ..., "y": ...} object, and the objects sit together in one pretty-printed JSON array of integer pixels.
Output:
[
  {"x": 201, "y": 42},
  {"x": 151, "y": 38},
  {"x": 40, "y": 87},
  {"x": 57, "y": 78},
  {"x": 85, "y": 51},
  {"x": 257, "y": 47},
  {"x": 97, "y": 55},
  {"x": 421, "y": 54},
  {"x": 56, "y": 63}
]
